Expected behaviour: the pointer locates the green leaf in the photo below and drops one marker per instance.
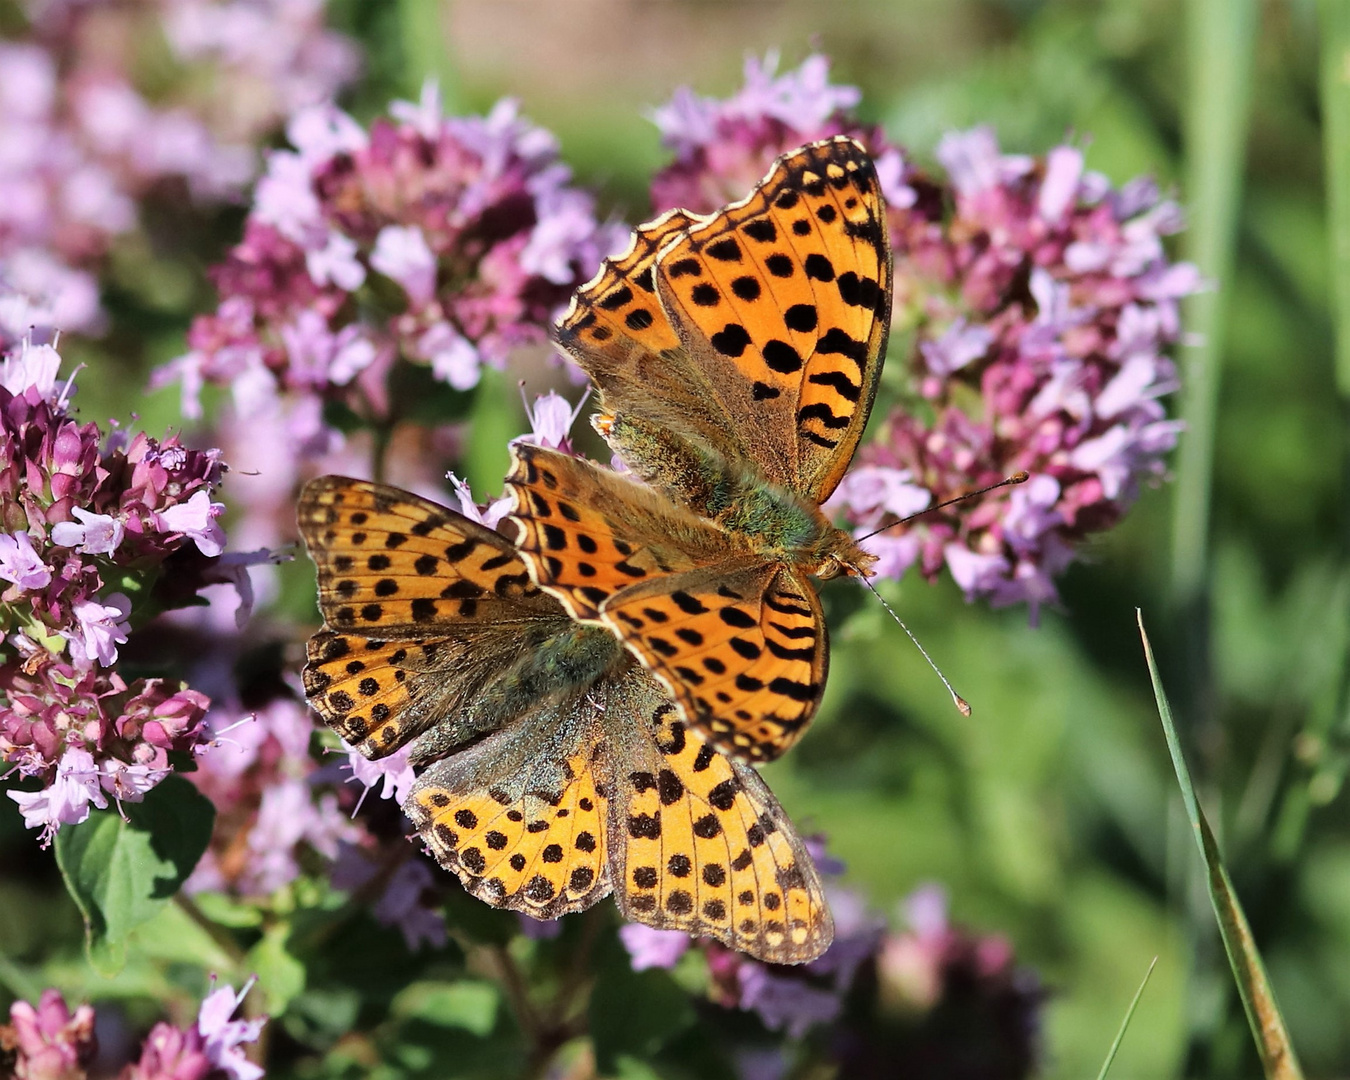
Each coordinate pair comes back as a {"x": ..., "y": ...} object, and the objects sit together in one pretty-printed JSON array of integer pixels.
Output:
[
  {"x": 467, "y": 1004},
  {"x": 1258, "y": 997},
  {"x": 225, "y": 910},
  {"x": 121, "y": 873},
  {"x": 1125, "y": 1024},
  {"x": 280, "y": 975},
  {"x": 632, "y": 1013},
  {"x": 628, "y": 1067}
]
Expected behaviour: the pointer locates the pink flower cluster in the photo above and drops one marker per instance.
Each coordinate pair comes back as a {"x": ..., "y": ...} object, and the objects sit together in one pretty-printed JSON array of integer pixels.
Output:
[
  {"x": 723, "y": 148},
  {"x": 49, "y": 1042},
  {"x": 83, "y": 144},
  {"x": 446, "y": 241},
  {"x": 279, "y": 809},
  {"x": 86, "y": 523},
  {"x": 1041, "y": 302},
  {"x": 927, "y": 969},
  {"x": 786, "y": 998},
  {"x": 271, "y": 803}
]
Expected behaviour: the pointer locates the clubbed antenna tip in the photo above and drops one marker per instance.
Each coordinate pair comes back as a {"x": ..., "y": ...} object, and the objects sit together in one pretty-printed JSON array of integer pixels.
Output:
[{"x": 962, "y": 705}]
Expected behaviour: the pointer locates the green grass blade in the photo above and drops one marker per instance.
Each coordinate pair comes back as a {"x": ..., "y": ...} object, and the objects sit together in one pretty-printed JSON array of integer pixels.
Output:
[
  {"x": 1258, "y": 998},
  {"x": 1335, "y": 27},
  {"x": 1125, "y": 1024},
  {"x": 1221, "y": 39}
]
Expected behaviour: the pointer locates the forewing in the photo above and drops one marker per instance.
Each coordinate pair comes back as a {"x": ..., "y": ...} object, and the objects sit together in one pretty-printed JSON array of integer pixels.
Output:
[
  {"x": 586, "y": 533},
  {"x": 701, "y": 844},
  {"x": 744, "y": 653},
  {"x": 521, "y": 816},
  {"x": 615, "y": 316},
  {"x": 782, "y": 301},
  {"x": 420, "y": 605}
]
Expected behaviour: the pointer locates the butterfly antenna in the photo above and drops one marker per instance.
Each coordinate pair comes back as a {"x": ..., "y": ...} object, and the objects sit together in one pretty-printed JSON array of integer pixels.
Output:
[
  {"x": 962, "y": 705},
  {"x": 1019, "y": 477}
]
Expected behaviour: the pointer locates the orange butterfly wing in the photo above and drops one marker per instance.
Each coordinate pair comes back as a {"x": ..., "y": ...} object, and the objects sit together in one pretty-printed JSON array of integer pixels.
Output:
[
  {"x": 705, "y": 846},
  {"x": 543, "y": 807},
  {"x": 739, "y": 643},
  {"x": 783, "y": 299},
  {"x": 780, "y": 310},
  {"x": 408, "y": 590}
]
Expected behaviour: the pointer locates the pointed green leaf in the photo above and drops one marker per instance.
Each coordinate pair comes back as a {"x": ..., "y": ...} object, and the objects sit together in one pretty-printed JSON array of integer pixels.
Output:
[
  {"x": 120, "y": 873},
  {"x": 1258, "y": 997}
]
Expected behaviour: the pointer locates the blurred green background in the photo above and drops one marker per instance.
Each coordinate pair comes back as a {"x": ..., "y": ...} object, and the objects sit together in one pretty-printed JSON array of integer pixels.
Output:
[{"x": 1051, "y": 815}]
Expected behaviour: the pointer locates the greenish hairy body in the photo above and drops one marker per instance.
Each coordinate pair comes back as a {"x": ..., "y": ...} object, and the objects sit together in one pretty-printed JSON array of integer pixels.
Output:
[
  {"x": 778, "y": 524},
  {"x": 551, "y": 660}
]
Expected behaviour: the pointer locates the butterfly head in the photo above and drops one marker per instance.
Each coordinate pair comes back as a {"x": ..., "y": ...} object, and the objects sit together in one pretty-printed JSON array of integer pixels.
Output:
[{"x": 847, "y": 559}]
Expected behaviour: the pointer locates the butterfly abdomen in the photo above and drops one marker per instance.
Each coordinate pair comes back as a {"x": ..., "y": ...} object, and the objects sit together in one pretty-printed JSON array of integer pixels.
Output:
[
  {"x": 776, "y": 522},
  {"x": 555, "y": 663}
]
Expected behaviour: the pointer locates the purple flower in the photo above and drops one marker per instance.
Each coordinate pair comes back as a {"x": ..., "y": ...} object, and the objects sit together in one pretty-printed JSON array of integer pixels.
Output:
[
  {"x": 473, "y": 218},
  {"x": 85, "y": 146},
  {"x": 335, "y": 263},
  {"x": 99, "y": 629},
  {"x": 77, "y": 507},
  {"x": 20, "y": 564},
  {"x": 170, "y": 1053},
  {"x": 33, "y": 367},
  {"x": 403, "y": 905},
  {"x": 956, "y": 347},
  {"x": 943, "y": 983},
  {"x": 392, "y": 773},
  {"x": 871, "y": 494},
  {"x": 223, "y": 1037},
  {"x": 49, "y": 1042},
  {"x": 95, "y": 534},
  {"x": 651, "y": 948},
  {"x": 270, "y": 800},
  {"x": 803, "y": 98},
  {"x": 289, "y": 815},
  {"x": 786, "y": 1004},
  {"x": 408, "y": 900},
  {"x": 1060, "y": 378},
  {"x": 66, "y": 801},
  {"x": 318, "y": 356},
  {"x": 551, "y": 421},
  {"x": 489, "y": 515},
  {"x": 452, "y": 357},
  {"x": 129, "y": 783},
  {"x": 195, "y": 519},
  {"x": 73, "y": 726},
  {"x": 210, "y": 1049},
  {"x": 401, "y": 253},
  {"x": 722, "y": 148}
]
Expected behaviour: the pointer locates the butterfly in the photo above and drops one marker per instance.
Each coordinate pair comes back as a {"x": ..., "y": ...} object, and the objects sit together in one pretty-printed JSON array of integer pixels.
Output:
[
  {"x": 554, "y": 769},
  {"x": 737, "y": 356}
]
